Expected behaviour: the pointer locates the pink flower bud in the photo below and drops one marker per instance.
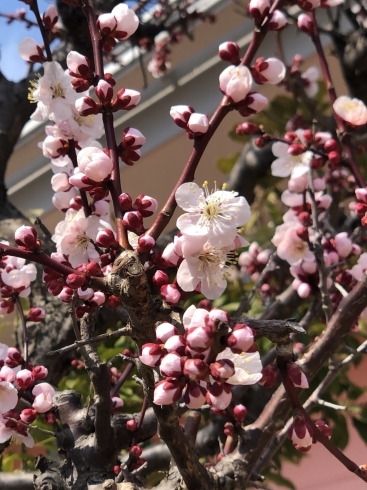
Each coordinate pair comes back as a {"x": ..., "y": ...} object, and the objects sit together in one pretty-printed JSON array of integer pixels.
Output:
[
  {"x": 86, "y": 106},
  {"x": 217, "y": 315},
  {"x": 199, "y": 338},
  {"x": 297, "y": 376},
  {"x": 164, "y": 331},
  {"x": 60, "y": 182},
  {"x": 253, "y": 104},
  {"x": 29, "y": 50},
  {"x": 7, "y": 374},
  {"x": 98, "y": 298},
  {"x": 133, "y": 138},
  {"x": 50, "y": 17},
  {"x": 75, "y": 281},
  {"x": 176, "y": 343},
  {"x": 270, "y": 71},
  {"x": 240, "y": 412},
  {"x": 26, "y": 236},
  {"x": 151, "y": 354},
  {"x": 43, "y": 393},
  {"x": 131, "y": 425},
  {"x": 36, "y": 314},
  {"x": 106, "y": 23},
  {"x": 146, "y": 205},
  {"x": 133, "y": 221},
  {"x": 39, "y": 373},
  {"x": 104, "y": 91},
  {"x": 146, "y": 243},
  {"x": 49, "y": 418},
  {"x": 105, "y": 238},
  {"x": 24, "y": 379},
  {"x": 296, "y": 149},
  {"x": 196, "y": 369},
  {"x": 160, "y": 278},
  {"x": 127, "y": 21},
  {"x": 277, "y": 21},
  {"x": 351, "y": 110},
  {"x": 171, "y": 365},
  {"x": 78, "y": 65},
  {"x": 309, "y": 4},
  {"x": 126, "y": 99},
  {"x": 235, "y": 82},
  {"x": 229, "y": 51},
  {"x": 170, "y": 293},
  {"x": 54, "y": 147},
  {"x": 94, "y": 163},
  {"x": 117, "y": 403},
  {"x": 136, "y": 451},
  {"x": 28, "y": 415},
  {"x": 300, "y": 433},
  {"x": 194, "y": 395},
  {"x": 86, "y": 294},
  {"x": 259, "y": 9},
  {"x": 219, "y": 395},
  {"x": 305, "y": 24},
  {"x": 222, "y": 370},
  {"x": 198, "y": 124},
  {"x": 304, "y": 290},
  {"x": 66, "y": 294},
  {"x": 240, "y": 339},
  {"x": 324, "y": 428},
  {"x": 168, "y": 391},
  {"x": 269, "y": 377},
  {"x": 14, "y": 357},
  {"x": 181, "y": 114},
  {"x": 125, "y": 201}
]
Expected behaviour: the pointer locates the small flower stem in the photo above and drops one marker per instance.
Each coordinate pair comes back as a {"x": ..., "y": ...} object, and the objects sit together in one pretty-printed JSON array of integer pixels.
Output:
[
  {"x": 201, "y": 142},
  {"x": 83, "y": 194},
  {"x": 122, "y": 378},
  {"x": 49, "y": 432},
  {"x": 140, "y": 420},
  {"x": 325, "y": 441},
  {"x": 345, "y": 138},
  {"x": 39, "y": 258},
  {"x": 34, "y": 7},
  {"x": 114, "y": 183},
  {"x": 24, "y": 330}
]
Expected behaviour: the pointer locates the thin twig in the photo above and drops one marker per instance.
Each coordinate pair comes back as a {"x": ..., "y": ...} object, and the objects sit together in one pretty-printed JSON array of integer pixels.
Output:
[
  {"x": 24, "y": 330},
  {"x": 45, "y": 431},
  {"x": 93, "y": 340}
]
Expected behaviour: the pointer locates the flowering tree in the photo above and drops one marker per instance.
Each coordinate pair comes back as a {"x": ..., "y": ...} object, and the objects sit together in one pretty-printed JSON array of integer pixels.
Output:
[{"x": 205, "y": 389}]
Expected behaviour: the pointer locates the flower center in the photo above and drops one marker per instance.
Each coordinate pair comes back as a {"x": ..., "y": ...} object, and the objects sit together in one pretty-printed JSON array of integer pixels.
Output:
[
  {"x": 81, "y": 241},
  {"x": 58, "y": 91}
]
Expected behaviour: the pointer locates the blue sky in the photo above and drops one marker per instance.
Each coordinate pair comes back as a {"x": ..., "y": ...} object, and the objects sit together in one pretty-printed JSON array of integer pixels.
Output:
[{"x": 11, "y": 65}]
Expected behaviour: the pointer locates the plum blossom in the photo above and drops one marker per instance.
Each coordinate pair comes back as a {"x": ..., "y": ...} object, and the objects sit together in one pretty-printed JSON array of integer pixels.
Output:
[
  {"x": 351, "y": 110},
  {"x": 359, "y": 270},
  {"x": 215, "y": 215},
  {"x": 235, "y": 82},
  {"x": 247, "y": 366},
  {"x": 7, "y": 432},
  {"x": 43, "y": 393},
  {"x": 292, "y": 248},
  {"x": 8, "y": 396},
  {"x": 286, "y": 165},
  {"x": 53, "y": 92},
  {"x": 310, "y": 78}
]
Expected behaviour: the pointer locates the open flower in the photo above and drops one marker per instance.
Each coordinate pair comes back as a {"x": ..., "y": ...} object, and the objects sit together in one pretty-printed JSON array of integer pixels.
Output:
[
  {"x": 7, "y": 432},
  {"x": 43, "y": 393},
  {"x": 286, "y": 164},
  {"x": 247, "y": 366},
  {"x": 351, "y": 110},
  {"x": 8, "y": 396},
  {"x": 215, "y": 215}
]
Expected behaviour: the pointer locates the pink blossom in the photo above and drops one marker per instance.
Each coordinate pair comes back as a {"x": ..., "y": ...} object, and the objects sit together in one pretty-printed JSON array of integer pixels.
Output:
[
  {"x": 259, "y": 9},
  {"x": 235, "y": 82},
  {"x": 229, "y": 51},
  {"x": 78, "y": 65},
  {"x": 86, "y": 106},
  {"x": 24, "y": 379},
  {"x": 310, "y": 78},
  {"x": 170, "y": 293},
  {"x": 297, "y": 376},
  {"x": 219, "y": 395},
  {"x": 270, "y": 71},
  {"x": 176, "y": 343},
  {"x": 300, "y": 433},
  {"x": 198, "y": 123},
  {"x": 277, "y": 21},
  {"x": 253, "y": 103},
  {"x": 247, "y": 366},
  {"x": 351, "y": 110},
  {"x": 7, "y": 374},
  {"x": 151, "y": 354},
  {"x": 199, "y": 338},
  {"x": 164, "y": 331},
  {"x": 196, "y": 369},
  {"x": 292, "y": 248},
  {"x": 60, "y": 182},
  {"x": 133, "y": 138},
  {"x": 305, "y": 24},
  {"x": 7, "y": 432},
  {"x": 127, "y": 21},
  {"x": 50, "y": 17},
  {"x": 181, "y": 114},
  {"x": 29, "y": 50},
  {"x": 358, "y": 270},
  {"x": 171, "y": 365},
  {"x": 8, "y": 396},
  {"x": 289, "y": 165},
  {"x": 240, "y": 339},
  {"x": 43, "y": 393},
  {"x": 168, "y": 391},
  {"x": 106, "y": 23},
  {"x": 26, "y": 236},
  {"x": 126, "y": 99},
  {"x": 194, "y": 395},
  {"x": 222, "y": 369},
  {"x": 343, "y": 244}
]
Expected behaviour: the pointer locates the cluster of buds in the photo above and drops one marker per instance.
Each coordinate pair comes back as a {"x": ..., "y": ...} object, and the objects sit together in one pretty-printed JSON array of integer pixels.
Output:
[
  {"x": 191, "y": 365},
  {"x": 254, "y": 260},
  {"x": 16, "y": 382},
  {"x": 259, "y": 11},
  {"x": 143, "y": 207},
  {"x": 185, "y": 117}
]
